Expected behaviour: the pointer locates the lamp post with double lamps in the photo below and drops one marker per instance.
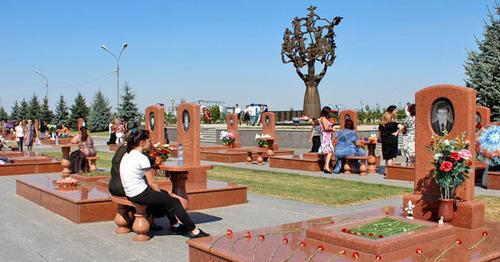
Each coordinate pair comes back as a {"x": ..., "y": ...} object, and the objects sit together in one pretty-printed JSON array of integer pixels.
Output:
[{"x": 117, "y": 59}]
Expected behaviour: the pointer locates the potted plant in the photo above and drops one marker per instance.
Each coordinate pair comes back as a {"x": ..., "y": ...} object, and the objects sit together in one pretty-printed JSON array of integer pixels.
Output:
[
  {"x": 263, "y": 140},
  {"x": 227, "y": 138},
  {"x": 452, "y": 164}
]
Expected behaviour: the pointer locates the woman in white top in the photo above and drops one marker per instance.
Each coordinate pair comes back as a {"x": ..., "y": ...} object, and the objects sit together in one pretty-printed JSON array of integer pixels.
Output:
[
  {"x": 20, "y": 135},
  {"x": 136, "y": 175}
]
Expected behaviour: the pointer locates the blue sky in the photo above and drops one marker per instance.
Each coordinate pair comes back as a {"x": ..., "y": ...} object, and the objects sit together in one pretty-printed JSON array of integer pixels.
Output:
[{"x": 230, "y": 50}]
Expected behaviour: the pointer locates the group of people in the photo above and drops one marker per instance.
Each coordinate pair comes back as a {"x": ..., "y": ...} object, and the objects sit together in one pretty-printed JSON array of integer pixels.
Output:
[
  {"x": 132, "y": 172},
  {"x": 117, "y": 130},
  {"x": 251, "y": 115},
  {"x": 345, "y": 142}
]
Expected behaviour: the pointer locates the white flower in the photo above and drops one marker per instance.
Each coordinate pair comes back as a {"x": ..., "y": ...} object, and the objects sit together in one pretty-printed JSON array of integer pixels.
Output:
[
  {"x": 438, "y": 156},
  {"x": 446, "y": 142}
]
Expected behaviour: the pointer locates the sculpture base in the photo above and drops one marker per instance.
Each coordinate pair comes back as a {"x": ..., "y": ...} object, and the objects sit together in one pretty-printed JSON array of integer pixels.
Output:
[
  {"x": 323, "y": 240},
  {"x": 468, "y": 214}
]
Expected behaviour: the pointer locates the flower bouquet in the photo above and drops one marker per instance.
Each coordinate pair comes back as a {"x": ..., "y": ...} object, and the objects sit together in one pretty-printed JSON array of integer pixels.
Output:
[
  {"x": 227, "y": 138},
  {"x": 263, "y": 140},
  {"x": 161, "y": 151},
  {"x": 67, "y": 182},
  {"x": 452, "y": 163}
]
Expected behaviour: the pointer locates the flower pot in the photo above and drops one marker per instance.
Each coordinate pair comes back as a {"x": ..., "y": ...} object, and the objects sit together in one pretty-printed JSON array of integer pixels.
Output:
[{"x": 446, "y": 209}]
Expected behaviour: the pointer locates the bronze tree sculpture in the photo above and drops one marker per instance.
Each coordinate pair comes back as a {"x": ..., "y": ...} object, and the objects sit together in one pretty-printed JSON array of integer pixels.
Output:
[{"x": 311, "y": 40}]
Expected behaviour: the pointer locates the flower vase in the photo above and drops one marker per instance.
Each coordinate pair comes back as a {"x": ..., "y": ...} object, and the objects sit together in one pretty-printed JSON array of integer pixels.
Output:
[{"x": 446, "y": 209}]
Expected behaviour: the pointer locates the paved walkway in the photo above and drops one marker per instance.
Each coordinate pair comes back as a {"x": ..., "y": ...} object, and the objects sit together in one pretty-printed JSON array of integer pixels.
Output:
[{"x": 33, "y": 233}]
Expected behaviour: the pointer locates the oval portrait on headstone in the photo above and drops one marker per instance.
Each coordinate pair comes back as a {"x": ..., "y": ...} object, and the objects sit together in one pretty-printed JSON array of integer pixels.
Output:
[
  {"x": 347, "y": 117},
  {"x": 185, "y": 120},
  {"x": 152, "y": 121},
  {"x": 478, "y": 118},
  {"x": 231, "y": 121},
  {"x": 442, "y": 116},
  {"x": 267, "y": 120}
]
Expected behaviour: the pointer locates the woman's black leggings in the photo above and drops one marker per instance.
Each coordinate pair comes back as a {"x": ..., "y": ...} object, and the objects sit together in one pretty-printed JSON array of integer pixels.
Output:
[{"x": 150, "y": 197}]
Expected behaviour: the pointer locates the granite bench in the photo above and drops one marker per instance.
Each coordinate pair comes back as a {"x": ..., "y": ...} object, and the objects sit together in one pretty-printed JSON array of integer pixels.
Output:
[{"x": 126, "y": 219}]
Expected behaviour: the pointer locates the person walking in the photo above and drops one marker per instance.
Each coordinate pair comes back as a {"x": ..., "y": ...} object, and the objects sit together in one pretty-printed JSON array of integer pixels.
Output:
[
  {"x": 409, "y": 135},
  {"x": 315, "y": 136},
  {"x": 326, "y": 138},
  {"x": 237, "y": 111},
  {"x": 20, "y": 135},
  {"x": 30, "y": 135}
]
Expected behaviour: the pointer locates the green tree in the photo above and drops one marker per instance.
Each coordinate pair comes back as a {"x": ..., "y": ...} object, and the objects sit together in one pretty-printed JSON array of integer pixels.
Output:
[
  {"x": 482, "y": 67},
  {"x": 215, "y": 111},
  {"x": 100, "y": 113},
  {"x": 3, "y": 115},
  {"x": 78, "y": 110},
  {"x": 14, "y": 113},
  {"x": 23, "y": 110},
  {"x": 61, "y": 115},
  {"x": 34, "y": 109},
  {"x": 128, "y": 111},
  {"x": 46, "y": 114}
]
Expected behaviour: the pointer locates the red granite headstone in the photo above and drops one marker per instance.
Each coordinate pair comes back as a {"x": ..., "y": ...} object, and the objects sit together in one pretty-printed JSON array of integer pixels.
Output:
[
  {"x": 232, "y": 127},
  {"x": 483, "y": 115},
  {"x": 349, "y": 114},
  {"x": 155, "y": 122},
  {"x": 188, "y": 132},
  {"x": 268, "y": 121},
  {"x": 461, "y": 105}
]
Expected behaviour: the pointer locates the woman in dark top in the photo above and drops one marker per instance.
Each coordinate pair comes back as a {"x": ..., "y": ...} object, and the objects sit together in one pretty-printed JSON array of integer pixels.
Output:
[{"x": 388, "y": 134}]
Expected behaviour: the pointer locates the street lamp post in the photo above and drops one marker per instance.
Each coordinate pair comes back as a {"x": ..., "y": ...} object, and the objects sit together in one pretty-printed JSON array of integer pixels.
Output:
[
  {"x": 117, "y": 59},
  {"x": 46, "y": 83}
]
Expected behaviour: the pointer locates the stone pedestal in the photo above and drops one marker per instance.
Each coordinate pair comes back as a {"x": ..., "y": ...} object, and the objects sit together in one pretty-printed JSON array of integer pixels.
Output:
[
  {"x": 232, "y": 127},
  {"x": 484, "y": 115}
]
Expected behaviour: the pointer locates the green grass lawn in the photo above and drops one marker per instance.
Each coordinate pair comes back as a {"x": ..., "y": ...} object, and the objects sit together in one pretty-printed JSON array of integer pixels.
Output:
[
  {"x": 93, "y": 134},
  {"x": 103, "y": 161},
  {"x": 316, "y": 190}
]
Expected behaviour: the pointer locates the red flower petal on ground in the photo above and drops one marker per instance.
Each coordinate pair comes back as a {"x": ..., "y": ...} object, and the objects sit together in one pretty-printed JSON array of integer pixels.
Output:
[
  {"x": 321, "y": 248},
  {"x": 458, "y": 242},
  {"x": 378, "y": 258},
  {"x": 355, "y": 254},
  {"x": 285, "y": 241},
  {"x": 455, "y": 156},
  {"x": 419, "y": 251},
  {"x": 485, "y": 233},
  {"x": 302, "y": 243},
  {"x": 380, "y": 236},
  {"x": 229, "y": 233},
  {"x": 262, "y": 237}
]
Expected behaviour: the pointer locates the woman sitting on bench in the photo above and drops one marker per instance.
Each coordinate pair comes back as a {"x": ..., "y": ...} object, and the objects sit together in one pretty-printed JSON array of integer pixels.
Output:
[
  {"x": 347, "y": 144},
  {"x": 87, "y": 149},
  {"x": 135, "y": 170}
]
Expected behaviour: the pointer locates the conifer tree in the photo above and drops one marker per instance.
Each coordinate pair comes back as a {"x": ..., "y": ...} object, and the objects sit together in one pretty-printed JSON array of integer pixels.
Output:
[
  {"x": 14, "y": 114},
  {"x": 34, "y": 109},
  {"x": 482, "y": 67},
  {"x": 100, "y": 113},
  {"x": 61, "y": 115},
  {"x": 3, "y": 114},
  {"x": 23, "y": 110},
  {"x": 78, "y": 110},
  {"x": 47, "y": 115},
  {"x": 128, "y": 111}
]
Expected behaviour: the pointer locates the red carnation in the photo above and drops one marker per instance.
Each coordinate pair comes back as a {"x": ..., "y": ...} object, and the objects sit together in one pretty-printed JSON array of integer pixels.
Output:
[
  {"x": 446, "y": 166},
  {"x": 363, "y": 234},
  {"x": 302, "y": 243},
  {"x": 469, "y": 164},
  {"x": 371, "y": 234},
  {"x": 321, "y": 248},
  {"x": 229, "y": 233},
  {"x": 349, "y": 232},
  {"x": 344, "y": 230},
  {"x": 355, "y": 254},
  {"x": 378, "y": 258},
  {"x": 458, "y": 242},
  {"x": 380, "y": 236},
  {"x": 419, "y": 251},
  {"x": 248, "y": 235},
  {"x": 262, "y": 237},
  {"x": 485, "y": 233},
  {"x": 285, "y": 241},
  {"x": 455, "y": 156}
]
